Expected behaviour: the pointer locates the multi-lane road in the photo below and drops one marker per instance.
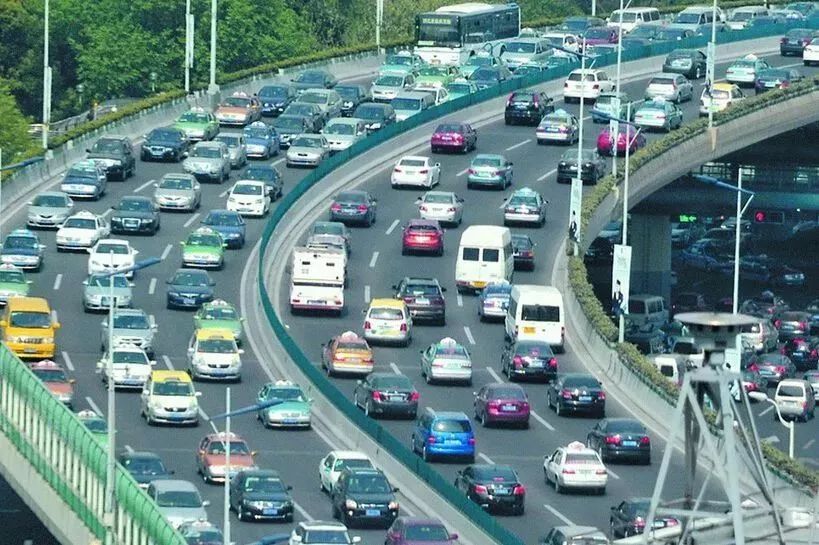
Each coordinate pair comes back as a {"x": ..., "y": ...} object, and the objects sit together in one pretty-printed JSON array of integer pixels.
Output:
[{"x": 296, "y": 454}]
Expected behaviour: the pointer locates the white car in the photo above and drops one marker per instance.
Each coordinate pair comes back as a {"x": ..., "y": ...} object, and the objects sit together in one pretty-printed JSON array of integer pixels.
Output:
[
  {"x": 307, "y": 150},
  {"x": 525, "y": 206},
  {"x": 810, "y": 54},
  {"x": 249, "y": 198},
  {"x": 446, "y": 360},
  {"x": 214, "y": 354},
  {"x": 111, "y": 255},
  {"x": 444, "y": 206},
  {"x": 82, "y": 230},
  {"x": 417, "y": 171},
  {"x": 331, "y": 466},
  {"x": 320, "y": 532},
  {"x": 575, "y": 466},
  {"x": 131, "y": 367},
  {"x": 589, "y": 82}
]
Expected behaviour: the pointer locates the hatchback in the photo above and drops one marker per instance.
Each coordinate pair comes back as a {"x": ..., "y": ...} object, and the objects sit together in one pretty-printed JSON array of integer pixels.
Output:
[
  {"x": 499, "y": 403},
  {"x": 795, "y": 398},
  {"x": 422, "y": 236},
  {"x": 443, "y": 434}
]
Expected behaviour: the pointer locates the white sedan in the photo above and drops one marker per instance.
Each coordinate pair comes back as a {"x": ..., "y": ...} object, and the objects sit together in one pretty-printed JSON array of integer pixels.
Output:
[
  {"x": 82, "y": 230},
  {"x": 249, "y": 198},
  {"x": 444, "y": 206},
  {"x": 111, "y": 255},
  {"x": 575, "y": 466},
  {"x": 331, "y": 466},
  {"x": 415, "y": 171},
  {"x": 131, "y": 367}
]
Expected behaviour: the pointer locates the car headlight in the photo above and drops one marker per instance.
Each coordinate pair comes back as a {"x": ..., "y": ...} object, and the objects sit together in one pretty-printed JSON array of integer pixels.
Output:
[
  {"x": 233, "y": 235},
  {"x": 48, "y": 340},
  {"x": 375, "y": 125},
  {"x": 66, "y": 396},
  {"x": 232, "y": 199},
  {"x": 174, "y": 294},
  {"x": 393, "y": 506},
  {"x": 146, "y": 220},
  {"x": 350, "y": 504},
  {"x": 156, "y": 405}
]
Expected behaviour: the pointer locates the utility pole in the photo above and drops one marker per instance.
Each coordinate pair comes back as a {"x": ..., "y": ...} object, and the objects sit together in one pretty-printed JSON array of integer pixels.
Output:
[{"x": 46, "y": 78}]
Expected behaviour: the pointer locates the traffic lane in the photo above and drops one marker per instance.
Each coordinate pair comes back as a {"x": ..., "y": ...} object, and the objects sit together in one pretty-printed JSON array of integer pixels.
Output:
[{"x": 770, "y": 429}]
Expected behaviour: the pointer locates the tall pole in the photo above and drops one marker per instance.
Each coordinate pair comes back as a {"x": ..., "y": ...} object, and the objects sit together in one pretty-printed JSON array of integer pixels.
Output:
[
  {"x": 621, "y": 325},
  {"x": 213, "y": 89},
  {"x": 1, "y": 188},
  {"x": 594, "y": 8},
  {"x": 580, "y": 117},
  {"x": 110, "y": 474},
  {"x": 188, "y": 45},
  {"x": 737, "y": 233},
  {"x": 710, "y": 69},
  {"x": 379, "y": 20},
  {"x": 614, "y": 125},
  {"x": 46, "y": 78},
  {"x": 227, "y": 469}
]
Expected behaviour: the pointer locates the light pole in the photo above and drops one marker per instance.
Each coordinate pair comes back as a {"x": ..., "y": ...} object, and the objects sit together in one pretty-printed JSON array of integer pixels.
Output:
[
  {"x": 46, "y": 78},
  {"x": 759, "y": 396},
  {"x": 213, "y": 89},
  {"x": 379, "y": 20},
  {"x": 153, "y": 82},
  {"x": 710, "y": 66},
  {"x": 615, "y": 126},
  {"x": 189, "y": 30},
  {"x": 738, "y": 228}
]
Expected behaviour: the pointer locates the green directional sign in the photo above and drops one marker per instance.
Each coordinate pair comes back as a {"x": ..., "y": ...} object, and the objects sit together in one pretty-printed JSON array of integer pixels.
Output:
[{"x": 688, "y": 218}]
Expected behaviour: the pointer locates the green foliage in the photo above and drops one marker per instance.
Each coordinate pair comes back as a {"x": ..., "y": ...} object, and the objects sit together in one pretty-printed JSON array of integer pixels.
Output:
[{"x": 14, "y": 128}]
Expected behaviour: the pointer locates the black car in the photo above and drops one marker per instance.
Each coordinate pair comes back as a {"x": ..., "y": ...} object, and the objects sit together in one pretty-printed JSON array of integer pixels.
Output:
[
  {"x": 189, "y": 288},
  {"x": 364, "y": 496},
  {"x": 354, "y": 206},
  {"x": 290, "y": 126},
  {"x": 144, "y": 467},
  {"x": 376, "y": 116},
  {"x": 594, "y": 166},
  {"x": 629, "y": 518},
  {"x": 492, "y": 486},
  {"x": 386, "y": 394},
  {"x": 528, "y": 359},
  {"x": 163, "y": 144},
  {"x": 577, "y": 392},
  {"x": 276, "y": 98},
  {"x": 794, "y": 41},
  {"x": 489, "y": 76},
  {"x": 689, "y": 62},
  {"x": 689, "y": 301},
  {"x": 260, "y": 494},
  {"x": 270, "y": 175},
  {"x": 523, "y": 250},
  {"x": 135, "y": 215},
  {"x": 527, "y": 107},
  {"x": 116, "y": 155},
  {"x": 803, "y": 353},
  {"x": 311, "y": 112},
  {"x": 813, "y": 321},
  {"x": 601, "y": 250},
  {"x": 424, "y": 298},
  {"x": 793, "y": 324},
  {"x": 776, "y": 78},
  {"x": 314, "y": 79},
  {"x": 351, "y": 97},
  {"x": 620, "y": 439}
]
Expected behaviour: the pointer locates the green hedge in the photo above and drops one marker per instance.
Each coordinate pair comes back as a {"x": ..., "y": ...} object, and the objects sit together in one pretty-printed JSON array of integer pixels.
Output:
[{"x": 629, "y": 355}]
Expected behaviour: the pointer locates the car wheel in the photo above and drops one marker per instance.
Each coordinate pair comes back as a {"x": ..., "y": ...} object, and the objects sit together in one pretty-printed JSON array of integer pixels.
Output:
[
  {"x": 424, "y": 454},
  {"x": 558, "y": 410},
  {"x": 367, "y": 408},
  {"x": 558, "y": 488}
]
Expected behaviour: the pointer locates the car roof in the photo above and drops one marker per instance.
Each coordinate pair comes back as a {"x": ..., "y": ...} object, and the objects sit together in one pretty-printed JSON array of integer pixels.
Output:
[
  {"x": 222, "y": 436},
  {"x": 162, "y": 375},
  {"x": 214, "y": 333},
  {"x": 724, "y": 86},
  {"x": 35, "y": 304},
  {"x": 322, "y": 525},
  {"x": 140, "y": 454},
  {"x": 349, "y": 454},
  {"x": 416, "y": 222},
  {"x": 174, "y": 484},
  {"x": 448, "y": 415},
  {"x": 389, "y": 303}
]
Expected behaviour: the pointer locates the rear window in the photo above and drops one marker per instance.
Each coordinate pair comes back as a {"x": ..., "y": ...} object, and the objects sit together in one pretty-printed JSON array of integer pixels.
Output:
[
  {"x": 452, "y": 426},
  {"x": 490, "y": 255},
  {"x": 582, "y": 459},
  {"x": 540, "y": 313},
  {"x": 470, "y": 254},
  {"x": 667, "y": 370},
  {"x": 786, "y": 390},
  {"x": 661, "y": 81},
  {"x": 506, "y": 392},
  {"x": 581, "y": 382},
  {"x": 386, "y": 314}
]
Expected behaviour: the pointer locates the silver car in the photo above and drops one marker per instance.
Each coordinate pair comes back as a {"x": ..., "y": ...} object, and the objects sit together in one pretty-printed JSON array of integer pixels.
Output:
[
  {"x": 178, "y": 192},
  {"x": 672, "y": 87},
  {"x": 208, "y": 161},
  {"x": 179, "y": 501},
  {"x": 96, "y": 292},
  {"x": 343, "y": 132},
  {"x": 236, "y": 147},
  {"x": 131, "y": 326},
  {"x": 444, "y": 206},
  {"x": 327, "y": 100},
  {"x": 307, "y": 150},
  {"x": 49, "y": 209}
]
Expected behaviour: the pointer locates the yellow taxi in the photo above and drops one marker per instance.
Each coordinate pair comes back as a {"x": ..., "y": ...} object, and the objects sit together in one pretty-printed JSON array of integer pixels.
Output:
[
  {"x": 388, "y": 321},
  {"x": 28, "y": 328},
  {"x": 169, "y": 398},
  {"x": 722, "y": 95},
  {"x": 347, "y": 353},
  {"x": 213, "y": 354}
]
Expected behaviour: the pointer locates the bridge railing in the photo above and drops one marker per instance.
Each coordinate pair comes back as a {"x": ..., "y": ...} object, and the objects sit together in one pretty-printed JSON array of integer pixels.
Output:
[{"x": 72, "y": 461}]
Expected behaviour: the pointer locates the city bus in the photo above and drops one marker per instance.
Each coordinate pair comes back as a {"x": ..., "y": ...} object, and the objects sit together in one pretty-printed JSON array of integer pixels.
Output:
[{"x": 452, "y": 34}]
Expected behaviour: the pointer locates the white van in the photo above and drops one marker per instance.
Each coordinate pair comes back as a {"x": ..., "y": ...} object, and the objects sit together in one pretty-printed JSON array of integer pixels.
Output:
[
  {"x": 484, "y": 256},
  {"x": 739, "y": 17},
  {"x": 536, "y": 312},
  {"x": 633, "y": 17}
]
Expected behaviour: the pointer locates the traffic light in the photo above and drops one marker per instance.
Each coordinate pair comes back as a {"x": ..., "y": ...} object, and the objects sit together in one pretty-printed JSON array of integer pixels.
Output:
[{"x": 768, "y": 216}]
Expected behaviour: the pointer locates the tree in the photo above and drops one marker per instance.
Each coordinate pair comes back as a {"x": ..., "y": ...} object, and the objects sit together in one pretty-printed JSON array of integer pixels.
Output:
[{"x": 14, "y": 137}]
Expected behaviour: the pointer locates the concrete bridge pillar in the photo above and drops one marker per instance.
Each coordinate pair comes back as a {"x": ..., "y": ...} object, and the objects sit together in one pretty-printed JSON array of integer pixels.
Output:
[{"x": 650, "y": 238}]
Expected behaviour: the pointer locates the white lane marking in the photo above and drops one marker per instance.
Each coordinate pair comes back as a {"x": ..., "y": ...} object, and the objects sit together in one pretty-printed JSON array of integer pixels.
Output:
[
  {"x": 495, "y": 376},
  {"x": 558, "y": 514},
  {"x": 129, "y": 449},
  {"x": 809, "y": 444},
  {"x": 305, "y": 515},
  {"x": 94, "y": 406},
  {"x": 191, "y": 220},
  {"x": 54, "y": 317},
  {"x": 613, "y": 474},
  {"x": 542, "y": 420},
  {"x": 68, "y": 363},
  {"x": 168, "y": 363},
  {"x": 766, "y": 411},
  {"x": 519, "y": 144},
  {"x": 461, "y": 173},
  {"x": 392, "y": 227},
  {"x": 106, "y": 213},
  {"x": 460, "y": 300},
  {"x": 366, "y": 294},
  {"x": 152, "y": 286},
  {"x": 58, "y": 280},
  {"x": 547, "y": 175},
  {"x": 485, "y": 458},
  {"x": 143, "y": 186},
  {"x": 166, "y": 251},
  {"x": 373, "y": 259},
  {"x": 469, "y": 335},
  {"x": 395, "y": 368},
  {"x": 203, "y": 414},
  {"x": 278, "y": 162},
  {"x": 770, "y": 439},
  {"x": 224, "y": 193}
]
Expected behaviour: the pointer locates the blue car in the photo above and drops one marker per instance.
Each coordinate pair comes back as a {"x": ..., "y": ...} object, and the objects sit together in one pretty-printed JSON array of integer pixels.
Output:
[
  {"x": 276, "y": 98},
  {"x": 231, "y": 225},
  {"x": 189, "y": 288},
  {"x": 443, "y": 434},
  {"x": 22, "y": 249},
  {"x": 261, "y": 141},
  {"x": 493, "y": 301},
  {"x": 85, "y": 179}
]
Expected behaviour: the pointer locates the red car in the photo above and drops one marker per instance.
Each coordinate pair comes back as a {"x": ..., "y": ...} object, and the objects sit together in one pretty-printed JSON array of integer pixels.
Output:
[
  {"x": 210, "y": 458},
  {"x": 454, "y": 137},
  {"x": 500, "y": 402},
  {"x": 422, "y": 236},
  {"x": 601, "y": 35},
  {"x": 605, "y": 141},
  {"x": 418, "y": 531}
]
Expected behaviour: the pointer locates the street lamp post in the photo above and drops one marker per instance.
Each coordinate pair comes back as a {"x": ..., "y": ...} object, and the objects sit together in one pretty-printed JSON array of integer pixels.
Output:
[
  {"x": 759, "y": 396},
  {"x": 46, "y": 78},
  {"x": 189, "y": 30},
  {"x": 213, "y": 88},
  {"x": 614, "y": 124},
  {"x": 711, "y": 64},
  {"x": 379, "y": 20}
]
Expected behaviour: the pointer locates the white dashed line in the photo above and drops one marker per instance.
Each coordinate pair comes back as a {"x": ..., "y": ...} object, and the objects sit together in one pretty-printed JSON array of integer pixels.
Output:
[
  {"x": 392, "y": 227},
  {"x": 613, "y": 474},
  {"x": 485, "y": 458},
  {"x": 558, "y": 514},
  {"x": 460, "y": 300},
  {"x": 224, "y": 193},
  {"x": 395, "y": 368},
  {"x": 58, "y": 280},
  {"x": 469, "y": 334},
  {"x": 143, "y": 186},
  {"x": 203, "y": 414},
  {"x": 107, "y": 212},
  {"x": 542, "y": 420},
  {"x": 547, "y": 175},
  {"x": 519, "y": 144},
  {"x": 67, "y": 360},
  {"x": 129, "y": 449},
  {"x": 809, "y": 444},
  {"x": 495, "y": 376},
  {"x": 766, "y": 411},
  {"x": 373, "y": 260},
  {"x": 305, "y": 515},
  {"x": 191, "y": 220},
  {"x": 278, "y": 162},
  {"x": 152, "y": 286},
  {"x": 461, "y": 173},
  {"x": 168, "y": 363},
  {"x": 166, "y": 251},
  {"x": 26, "y": 541},
  {"x": 94, "y": 406},
  {"x": 366, "y": 294}
]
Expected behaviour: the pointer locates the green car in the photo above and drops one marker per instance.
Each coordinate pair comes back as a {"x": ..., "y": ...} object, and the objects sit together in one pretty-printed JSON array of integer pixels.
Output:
[
  {"x": 658, "y": 114},
  {"x": 197, "y": 124},
  {"x": 204, "y": 249},
  {"x": 436, "y": 76},
  {"x": 95, "y": 424},
  {"x": 402, "y": 62},
  {"x": 292, "y": 409},
  {"x": 13, "y": 282},
  {"x": 219, "y": 314},
  {"x": 479, "y": 60},
  {"x": 460, "y": 88}
]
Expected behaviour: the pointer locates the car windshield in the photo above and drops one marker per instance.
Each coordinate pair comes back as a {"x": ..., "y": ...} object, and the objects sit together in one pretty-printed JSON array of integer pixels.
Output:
[
  {"x": 106, "y": 146},
  {"x": 368, "y": 484},
  {"x": 786, "y": 390},
  {"x": 260, "y": 133},
  {"x": 116, "y": 249},
  {"x": 178, "y": 498},
  {"x": 261, "y": 174},
  {"x": 143, "y": 466},
  {"x": 236, "y": 447},
  {"x": 305, "y": 142},
  {"x": 386, "y": 314},
  {"x": 598, "y": 32},
  {"x": 426, "y": 532},
  {"x": 286, "y": 394},
  {"x": 741, "y": 16},
  {"x": 30, "y": 319},
  {"x": 248, "y": 189},
  {"x": 402, "y": 60},
  {"x": 96, "y": 425},
  {"x": 348, "y": 93},
  {"x": 328, "y": 228},
  {"x": 669, "y": 34},
  {"x": 164, "y": 135},
  {"x": 264, "y": 485},
  {"x": 521, "y": 241},
  {"x": 314, "y": 98},
  {"x": 346, "y": 129},
  {"x": 452, "y": 426},
  {"x": 217, "y": 346},
  {"x": 719, "y": 94},
  {"x": 229, "y": 220},
  {"x": 173, "y": 388},
  {"x": 494, "y": 290},
  {"x": 12, "y": 277},
  {"x": 421, "y": 289},
  {"x": 390, "y": 81},
  {"x": 449, "y": 128},
  {"x": 578, "y": 458},
  {"x": 573, "y": 24},
  {"x": 129, "y": 356},
  {"x": 486, "y": 74},
  {"x": 540, "y": 313},
  {"x": 190, "y": 279},
  {"x": 326, "y": 537},
  {"x": 523, "y": 200},
  {"x": 229, "y": 140},
  {"x": 51, "y": 201},
  {"x": 203, "y": 537},
  {"x": 433, "y": 71},
  {"x": 581, "y": 382},
  {"x": 273, "y": 92},
  {"x": 105, "y": 281},
  {"x": 451, "y": 351},
  {"x": 220, "y": 313},
  {"x": 206, "y": 152},
  {"x": 311, "y": 77},
  {"x": 15, "y": 243},
  {"x": 688, "y": 18},
  {"x": 289, "y": 123},
  {"x": 191, "y": 117},
  {"x": 577, "y": 76},
  {"x": 520, "y": 47},
  {"x": 643, "y": 32},
  {"x": 131, "y": 321},
  {"x": 464, "y": 88},
  {"x": 176, "y": 183},
  {"x": 301, "y": 108},
  {"x": 51, "y": 375},
  {"x": 625, "y": 17},
  {"x": 236, "y": 102},
  {"x": 369, "y": 112},
  {"x": 82, "y": 173},
  {"x": 80, "y": 223},
  {"x": 135, "y": 205}
]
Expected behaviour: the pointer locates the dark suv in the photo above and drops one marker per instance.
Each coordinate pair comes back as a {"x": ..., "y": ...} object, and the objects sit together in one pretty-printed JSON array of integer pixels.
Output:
[
  {"x": 527, "y": 107},
  {"x": 351, "y": 97},
  {"x": 494, "y": 487},
  {"x": 260, "y": 494},
  {"x": 116, "y": 155},
  {"x": 364, "y": 496},
  {"x": 135, "y": 215},
  {"x": 424, "y": 298},
  {"x": 165, "y": 143},
  {"x": 689, "y": 62}
]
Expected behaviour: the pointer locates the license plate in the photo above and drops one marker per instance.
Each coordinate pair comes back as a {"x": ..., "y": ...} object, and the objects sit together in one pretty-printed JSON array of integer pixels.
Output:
[
  {"x": 501, "y": 491},
  {"x": 422, "y": 301},
  {"x": 585, "y": 398},
  {"x": 452, "y": 442},
  {"x": 270, "y": 511},
  {"x": 509, "y": 408},
  {"x": 373, "y": 512},
  {"x": 552, "y": 129},
  {"x": 188, "y": 301},
  {"x": 530, "y": 330},
  {"x": 629, "y": 443},
  {"x": 290, "y": 421},
  {"x": 315, "y": 302},
  {"x": 536, "y": 363}
]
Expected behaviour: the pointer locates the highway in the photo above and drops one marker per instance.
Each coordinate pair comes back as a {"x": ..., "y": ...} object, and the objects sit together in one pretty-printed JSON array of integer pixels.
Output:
[{"x": 296, "y": 454}]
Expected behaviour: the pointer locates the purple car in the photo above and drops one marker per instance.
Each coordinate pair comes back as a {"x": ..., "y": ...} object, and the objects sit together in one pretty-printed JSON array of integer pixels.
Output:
[
  {"x": 500, "y": 402},
  {"x": 601, "y": 35},
  {"x": 453, "y": 137},
  {"x": 418, "y": 531}
]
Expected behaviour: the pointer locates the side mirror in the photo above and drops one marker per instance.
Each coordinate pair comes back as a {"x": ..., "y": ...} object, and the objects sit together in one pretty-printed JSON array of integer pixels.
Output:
[
  {"x": 171, "y": 472},
  {"x": 29, "y": 203},
  {"x": 72, "y": 381},
  {"x": 289, "y": 487},
  {"x": 190, "y": 350},
  {"x": 443, "y": 289},
  {"x": 197, "y": 394},
  {"x": 395, "y": 286},
  {"x": 156, "y": 185},
  {"x": 87, "y": 150},
  {"x": 453, "y": 537},
  {"x": 184, "y": 154},
  {"x": 152, "y": 363},
  {"x": 396, "y": 489},
  {"x": 205, "y": 503},
  {"x": 114, "y": 207},
  {"x": 56, "y": 325},
  {"x": 212, "y": 283},
  {"x": 253, "y": 453},
  {"x": 240, "y": 351},
  {"x": 356, "y": 539},
  {"x": 359, "y": 382}
]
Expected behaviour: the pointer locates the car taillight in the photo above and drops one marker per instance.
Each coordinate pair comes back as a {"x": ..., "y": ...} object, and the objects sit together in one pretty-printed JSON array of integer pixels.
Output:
[
  {"x": 566, "y": 394},
  {"x": 601, "y": 472},
  {"x": 450, "y": 209},
  {"x": 423, "y": 171},
  {"x": 671, "y": 522},
  {"x": 782, "y": 350},
  {"x": 563, "y": 129},
  {"x": 661, "y": 116},
  {"x": 431, "y": 439},
  {"x": 639, "y": 522},
  {"x": 510, "y": 209},
  {"x": 367, "y": 325},
  {"x": 404, "y": 327},
  {"x": 813, "y": 353},
  {"x": 457, "y": 136},
  {"x": 509, "y": 100},
  {"x": 568, "y": 471},
  {"x": 537, "y": 102},
  {"x": 784, "y": 85},
  {"x": 397, "y": 170},
  {"x": 423, "y": 208},
  {"x": 784, "y": 40},
  {"x": 471, "y": 171},
  {"x": 471, "y": 441},
  {"x": 493, "y": 405},
  {"x": 612, "y": 440},
  {"x": 415, "y": 396},
  {"x": 753, "y": 367},
  {"x": 377, "y": 396},
  {"x": 335, "y": 207},
  {"x": 803, "y": 326},
  {"x": 645, "y": 440},
  {"x": 480, "y": 489},
  {"x": 780, "y": 369},
  {"x": 601, "y": 395},
  {"x": 553, "y": 363},
  {"x": 596, "y": 86},
  {"x": 362, "y": 207},
  {"x": 517, "y": 361},
  {"x": 409, "y": 299},
  {"x": 519, "y": 490}
]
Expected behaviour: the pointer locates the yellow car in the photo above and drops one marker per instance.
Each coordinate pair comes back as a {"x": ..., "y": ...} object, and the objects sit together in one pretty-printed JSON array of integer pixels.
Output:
[
  {"x": 721, "y": 97},
  {"x": 388, "y": 321},
  {"x": 28, "y": 328},
  {"x": 347, "y": 353},
  {"x": 213, "y": 354}
]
